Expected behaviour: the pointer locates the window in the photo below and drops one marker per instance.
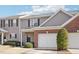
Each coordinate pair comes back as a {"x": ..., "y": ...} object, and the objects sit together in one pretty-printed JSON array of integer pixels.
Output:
[
  {"x": 1, "y": 23},
  {"x": 29, "y": 23},
  {"x": 10, "y": 36},
  {"x": 35, "y": 23},
  {"x": 28, "y": 39},
  {"x": 15, "y": 35},
  {"x": 16, "y": 22},
  {"x": 8, "y": 23},
  {"x": 11, "y": 22},
  {"x": 38, "y": 21}
]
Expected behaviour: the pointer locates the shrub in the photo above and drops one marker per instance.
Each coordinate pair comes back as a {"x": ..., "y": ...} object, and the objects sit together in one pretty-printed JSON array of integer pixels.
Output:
[
  {"x": 12, "y": 43},
  {"x": 62, "y": 39},
  {"x": 28, "y": 45},
  {"x": 33, "y": 44}
]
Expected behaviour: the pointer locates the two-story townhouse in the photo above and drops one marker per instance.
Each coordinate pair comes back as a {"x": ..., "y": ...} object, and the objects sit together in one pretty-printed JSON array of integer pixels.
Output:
[
  {"x": 41, "y": 29},
  {"x": 11, "y": 25}
]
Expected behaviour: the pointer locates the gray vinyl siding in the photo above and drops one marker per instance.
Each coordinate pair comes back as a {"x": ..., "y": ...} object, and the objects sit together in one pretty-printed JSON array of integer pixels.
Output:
[
  {"x": 24, "y": 22},
  {"x": 58, "y": 20},
  {"x": 11, "y": 29}
]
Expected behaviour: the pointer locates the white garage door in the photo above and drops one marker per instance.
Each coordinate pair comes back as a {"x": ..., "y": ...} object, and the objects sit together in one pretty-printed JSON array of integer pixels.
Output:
[
  {"x": 47, "y": 40},
  {"x": 73, "y": 40}
]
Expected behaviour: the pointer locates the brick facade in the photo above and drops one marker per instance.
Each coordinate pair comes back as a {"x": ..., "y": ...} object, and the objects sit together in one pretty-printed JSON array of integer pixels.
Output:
[{"x": 73, "y": 26}]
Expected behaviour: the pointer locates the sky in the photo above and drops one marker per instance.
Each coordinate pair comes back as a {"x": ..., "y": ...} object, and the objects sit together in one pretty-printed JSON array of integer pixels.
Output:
[{"x": 9, "y": 10}]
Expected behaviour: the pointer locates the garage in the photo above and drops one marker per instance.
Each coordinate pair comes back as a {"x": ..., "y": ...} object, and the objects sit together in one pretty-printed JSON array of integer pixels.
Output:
[
  {"x": 47, "y": 40},
  {"x": 73, "y": 40}
]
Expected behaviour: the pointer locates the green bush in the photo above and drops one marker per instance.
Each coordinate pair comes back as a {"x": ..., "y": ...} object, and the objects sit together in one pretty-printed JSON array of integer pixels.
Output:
[
  {"x": 62, "y": 39},
  {"x": 28, "y": 45},
  {"x": 12, "y": 43}
]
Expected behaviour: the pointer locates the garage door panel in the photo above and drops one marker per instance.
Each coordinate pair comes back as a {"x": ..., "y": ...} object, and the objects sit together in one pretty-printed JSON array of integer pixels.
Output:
[
  {"x": 73, "y": 41},
  {"x": 47, "y": 40}
]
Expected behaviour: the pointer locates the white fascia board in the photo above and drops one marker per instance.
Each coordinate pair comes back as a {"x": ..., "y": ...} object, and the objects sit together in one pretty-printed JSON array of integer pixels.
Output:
[
  {"x": 48, "y": 28},
  {"x": 23, "y": 16},
  {"x": 27, "y": 30},
  {"x": 66, "y": 12},
  {"x": 40, "y": 28},
  {"x": 69, "y": 20}
]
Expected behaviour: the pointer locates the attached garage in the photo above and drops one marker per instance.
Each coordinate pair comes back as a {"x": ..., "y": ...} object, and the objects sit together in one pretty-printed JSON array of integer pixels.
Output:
[
  {"x": 47, "y": 40},
  {"x": 73, "y": 40}
]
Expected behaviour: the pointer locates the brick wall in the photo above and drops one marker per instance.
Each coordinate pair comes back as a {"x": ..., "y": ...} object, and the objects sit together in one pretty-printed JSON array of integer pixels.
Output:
[{"x": 73, "y": 26}]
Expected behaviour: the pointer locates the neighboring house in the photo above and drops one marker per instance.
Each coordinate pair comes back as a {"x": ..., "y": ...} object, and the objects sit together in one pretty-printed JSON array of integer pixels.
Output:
[{"x": 40, "y": 29}]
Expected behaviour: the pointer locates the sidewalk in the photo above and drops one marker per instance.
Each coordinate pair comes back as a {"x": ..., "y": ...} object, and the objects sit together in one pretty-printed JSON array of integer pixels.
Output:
[{"x": 74, "y": 51}]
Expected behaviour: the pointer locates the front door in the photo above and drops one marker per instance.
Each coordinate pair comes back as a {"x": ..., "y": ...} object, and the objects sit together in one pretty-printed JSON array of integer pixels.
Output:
[{"x": 28, "y": 39}]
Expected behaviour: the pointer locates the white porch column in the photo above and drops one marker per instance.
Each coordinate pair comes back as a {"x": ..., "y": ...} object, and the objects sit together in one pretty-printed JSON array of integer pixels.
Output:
[
  {"x": 2, "y": 38},
  {"x": 21, "y": 39},
  {"x": 20, "y": 33}
]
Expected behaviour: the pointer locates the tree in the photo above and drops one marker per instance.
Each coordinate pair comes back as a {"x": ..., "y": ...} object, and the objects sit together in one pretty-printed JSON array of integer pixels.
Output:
[{"x": 62, "y": 39}]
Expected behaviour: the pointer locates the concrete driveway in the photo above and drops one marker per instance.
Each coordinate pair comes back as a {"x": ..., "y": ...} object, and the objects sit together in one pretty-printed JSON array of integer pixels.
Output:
[
  {"x": 12, "y": 50},
  {"x": 17, "y": 50}
]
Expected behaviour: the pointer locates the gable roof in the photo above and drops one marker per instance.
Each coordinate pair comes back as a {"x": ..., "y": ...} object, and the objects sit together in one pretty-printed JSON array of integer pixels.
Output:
[
  {"x": 71, "y": 19},
  {"x": 55, "y": 15}
]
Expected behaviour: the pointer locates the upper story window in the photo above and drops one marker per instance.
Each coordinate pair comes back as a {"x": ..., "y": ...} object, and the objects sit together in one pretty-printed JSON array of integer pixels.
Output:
[
  {"x": 2, "y": 23},
  {"x": 9, "y": 23},
  {"x": 38, "y": 21},
  {"x": 16, "y": 22},
  {"x": 35, "y": 22},
  {"x": 28, "y": 22}
]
